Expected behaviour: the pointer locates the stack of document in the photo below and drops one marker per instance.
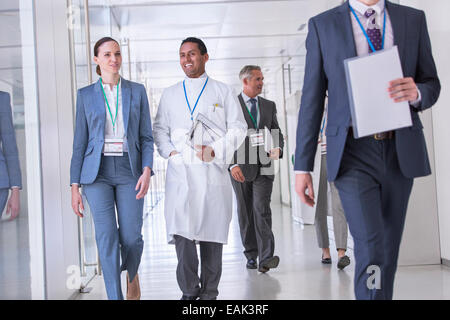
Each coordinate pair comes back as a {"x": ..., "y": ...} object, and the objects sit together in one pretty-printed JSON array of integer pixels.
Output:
[{"x": 204, "y": 132}]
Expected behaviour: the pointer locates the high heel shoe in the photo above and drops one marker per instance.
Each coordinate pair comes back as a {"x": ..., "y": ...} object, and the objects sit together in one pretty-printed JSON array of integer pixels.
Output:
[{"x": 135, "y": 284}]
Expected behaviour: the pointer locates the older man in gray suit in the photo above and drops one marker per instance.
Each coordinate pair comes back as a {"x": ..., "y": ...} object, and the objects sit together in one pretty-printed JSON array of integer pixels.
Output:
[
  {"x": 10, "y": 176},
  {"x": 253, "y": 172}
]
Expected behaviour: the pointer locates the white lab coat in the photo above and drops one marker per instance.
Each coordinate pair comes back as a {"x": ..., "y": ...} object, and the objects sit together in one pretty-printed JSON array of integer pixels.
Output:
[{"x": 198, "y": 196}]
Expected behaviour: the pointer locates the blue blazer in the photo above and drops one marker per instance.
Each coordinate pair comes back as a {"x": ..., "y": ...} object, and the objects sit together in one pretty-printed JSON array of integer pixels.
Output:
[
  {"x": 10, "y": 175},
  {"x": 329, "y": 42},
  {"x": 90, "y": 131}
]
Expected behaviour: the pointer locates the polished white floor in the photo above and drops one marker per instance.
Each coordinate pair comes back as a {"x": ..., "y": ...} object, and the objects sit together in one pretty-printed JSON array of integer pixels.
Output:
[{"x": 300, "y": 274}]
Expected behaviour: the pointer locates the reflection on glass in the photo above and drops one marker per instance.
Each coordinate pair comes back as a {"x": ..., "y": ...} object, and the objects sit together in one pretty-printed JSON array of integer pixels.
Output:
[
  {"x": 17, "y": 94},
  {"x": 10, "y": 176}
]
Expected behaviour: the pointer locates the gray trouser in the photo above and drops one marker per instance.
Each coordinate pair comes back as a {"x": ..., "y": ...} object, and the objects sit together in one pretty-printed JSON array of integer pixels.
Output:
[
  {"x": 189, "y": 282},
  {"x": 255, "y": 217},
  {"x": 339, "y": 222}
]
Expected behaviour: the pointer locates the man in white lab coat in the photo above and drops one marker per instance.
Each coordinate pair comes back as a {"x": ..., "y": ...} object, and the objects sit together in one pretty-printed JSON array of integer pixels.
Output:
[{"x": 198, "y": 198}]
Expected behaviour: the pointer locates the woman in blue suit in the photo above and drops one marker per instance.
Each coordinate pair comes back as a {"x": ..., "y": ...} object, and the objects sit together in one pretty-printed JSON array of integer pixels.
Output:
[{"x": 112, "y": 160}]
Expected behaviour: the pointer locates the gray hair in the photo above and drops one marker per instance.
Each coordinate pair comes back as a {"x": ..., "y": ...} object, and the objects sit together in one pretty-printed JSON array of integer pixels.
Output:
[{"x": 246, "y": 71}]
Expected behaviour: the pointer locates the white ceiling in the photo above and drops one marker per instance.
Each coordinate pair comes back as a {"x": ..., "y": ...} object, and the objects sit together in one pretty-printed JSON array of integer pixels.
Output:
[{"x": 236, "y": 33}]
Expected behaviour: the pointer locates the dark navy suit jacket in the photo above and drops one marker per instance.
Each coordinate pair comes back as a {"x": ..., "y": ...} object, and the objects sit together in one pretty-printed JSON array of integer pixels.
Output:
[
  {"x": 89, "y": 135},
  {"x": 329, "y": 42}
]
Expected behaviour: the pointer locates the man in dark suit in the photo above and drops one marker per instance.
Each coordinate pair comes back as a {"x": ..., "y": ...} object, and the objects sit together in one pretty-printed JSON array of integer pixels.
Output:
[
  {"x": 252, "y": 172},
  {"x": 374, "y": 175}
]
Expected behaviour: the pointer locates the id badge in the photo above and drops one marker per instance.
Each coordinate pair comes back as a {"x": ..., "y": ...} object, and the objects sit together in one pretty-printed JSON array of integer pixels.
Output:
[
  {"x": 113, "y": 147},
  {"x": 257, "y": 139}
]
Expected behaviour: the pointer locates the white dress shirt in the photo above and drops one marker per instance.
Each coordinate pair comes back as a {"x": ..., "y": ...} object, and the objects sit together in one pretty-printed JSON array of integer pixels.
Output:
[{"x": 111, "y": 95}]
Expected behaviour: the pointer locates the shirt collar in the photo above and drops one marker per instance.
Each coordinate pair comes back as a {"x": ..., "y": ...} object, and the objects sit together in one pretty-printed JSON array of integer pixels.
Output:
[
  {"x": 362, "y": 8},
  {"x": 247, "y": 98},
  {"x": 107, "y": 87},
  {"x": 202, "y": 77}
]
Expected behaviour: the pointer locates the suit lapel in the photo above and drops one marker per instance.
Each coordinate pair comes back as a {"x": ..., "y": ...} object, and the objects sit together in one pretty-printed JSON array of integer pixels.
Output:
[
  {"x": 262, "y": 114},
  {"x": 398, "y": 21},
  {"x": 99, "y": 104},
  {"x": 245, "y": 111},
  {"x": 126, "y": 103},
  {"x": 344, "y": 28}
]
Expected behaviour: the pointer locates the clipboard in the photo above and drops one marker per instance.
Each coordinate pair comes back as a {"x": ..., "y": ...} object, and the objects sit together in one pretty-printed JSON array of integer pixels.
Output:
[{"x": 204, "y": 131}]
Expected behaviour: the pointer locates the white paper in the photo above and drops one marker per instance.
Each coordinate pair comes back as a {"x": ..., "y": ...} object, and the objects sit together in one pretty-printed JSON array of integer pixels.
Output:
[
  {"x": 368, "y": 77},
  {"x": 268, "y": 143}
]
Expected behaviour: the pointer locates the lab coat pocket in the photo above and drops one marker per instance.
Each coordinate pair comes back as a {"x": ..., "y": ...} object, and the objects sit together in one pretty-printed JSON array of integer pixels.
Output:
[
  {"x": 216, "y": 113},
  {"x": 176, "y": 170}
]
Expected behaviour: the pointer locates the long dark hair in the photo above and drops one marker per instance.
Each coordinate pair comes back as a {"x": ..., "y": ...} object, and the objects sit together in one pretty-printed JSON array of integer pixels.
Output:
[{"x": 97, "y": 46}]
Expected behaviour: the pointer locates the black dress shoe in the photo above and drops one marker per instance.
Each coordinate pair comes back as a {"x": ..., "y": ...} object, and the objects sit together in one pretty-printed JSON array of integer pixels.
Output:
[
  {"x": 269, "y": 264},
  {"x": 186, "y": 297},
  {"x": 326, "y": 260},
  {"x": 251, "y": 264},
  {"x": 343, "y": 262}
]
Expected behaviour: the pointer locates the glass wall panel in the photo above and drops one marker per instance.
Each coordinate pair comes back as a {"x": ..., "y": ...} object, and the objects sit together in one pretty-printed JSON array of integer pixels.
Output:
[{"x": 19, "y": 152}]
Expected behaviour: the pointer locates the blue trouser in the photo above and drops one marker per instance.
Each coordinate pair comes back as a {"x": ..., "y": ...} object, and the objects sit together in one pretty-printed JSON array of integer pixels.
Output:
[
  {"x": 113, "y": 188},
  {"x": 374, "y": 195}
]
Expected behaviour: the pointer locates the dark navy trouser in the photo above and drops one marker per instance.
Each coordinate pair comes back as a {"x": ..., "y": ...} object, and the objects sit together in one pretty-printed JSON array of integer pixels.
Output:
[{"x": 374, "y": 195}]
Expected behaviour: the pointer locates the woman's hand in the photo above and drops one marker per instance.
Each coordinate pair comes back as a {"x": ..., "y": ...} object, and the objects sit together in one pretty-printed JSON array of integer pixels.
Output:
[
  {"x": 77, "y": 201},
  {"x": 13, "y": 206},
  {"x": 143, "y": 183}
]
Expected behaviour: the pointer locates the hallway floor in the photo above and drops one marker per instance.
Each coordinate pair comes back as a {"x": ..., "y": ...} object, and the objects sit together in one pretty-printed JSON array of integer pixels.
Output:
[{"x": 300, "y": 274}]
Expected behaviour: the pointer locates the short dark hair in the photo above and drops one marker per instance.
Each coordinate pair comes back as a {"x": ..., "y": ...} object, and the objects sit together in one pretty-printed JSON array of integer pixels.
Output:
[
  {"x": 201, "y": 45},
  {"x": 97, "y": 46}
]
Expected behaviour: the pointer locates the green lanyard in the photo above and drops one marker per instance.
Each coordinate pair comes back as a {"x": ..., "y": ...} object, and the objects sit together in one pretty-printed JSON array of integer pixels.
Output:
[
  {"x": 109, "y": 109},
  {"x": 249, "y": 113}
]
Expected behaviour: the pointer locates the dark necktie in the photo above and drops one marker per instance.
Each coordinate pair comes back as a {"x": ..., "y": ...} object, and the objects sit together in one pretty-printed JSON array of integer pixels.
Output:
[
  {"x": 373, "y": 31},
  {"x": 253, "y": 110}
]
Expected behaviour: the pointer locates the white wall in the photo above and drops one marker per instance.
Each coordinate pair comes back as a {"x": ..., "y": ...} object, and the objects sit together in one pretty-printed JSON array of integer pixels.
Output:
[{"x": 439, "y": 27}]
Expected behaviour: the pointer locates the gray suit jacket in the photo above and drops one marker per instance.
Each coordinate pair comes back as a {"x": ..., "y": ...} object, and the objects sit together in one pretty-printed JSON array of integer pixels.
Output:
[
  {"x": 249, "y": 165},
  {"x": 90, "y": 131},
  {"x": 10, "y": 174},
  {"x": 329, "y": 42}
]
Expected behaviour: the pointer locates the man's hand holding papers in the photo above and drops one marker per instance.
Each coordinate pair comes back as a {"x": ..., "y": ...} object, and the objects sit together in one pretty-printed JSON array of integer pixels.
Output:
[{"x": 403, "y": 89}]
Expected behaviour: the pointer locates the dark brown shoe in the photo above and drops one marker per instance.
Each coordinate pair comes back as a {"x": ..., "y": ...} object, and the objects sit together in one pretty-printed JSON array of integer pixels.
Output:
[
  {"x": 269, "y": 264},
  {"x": 343, "y": 262}
]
